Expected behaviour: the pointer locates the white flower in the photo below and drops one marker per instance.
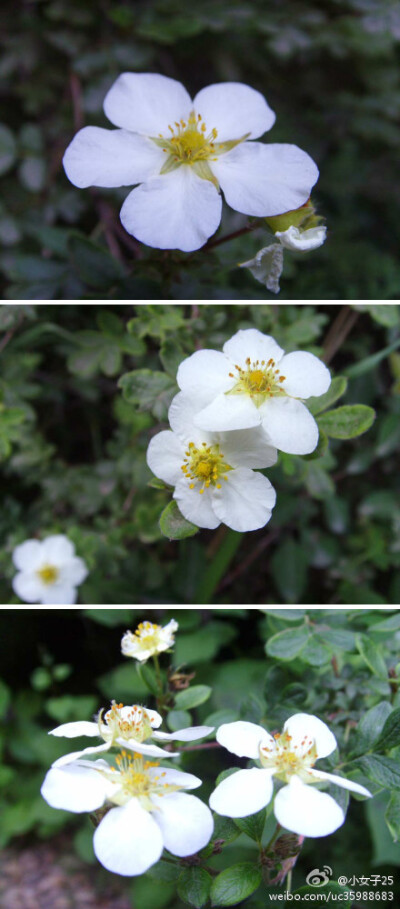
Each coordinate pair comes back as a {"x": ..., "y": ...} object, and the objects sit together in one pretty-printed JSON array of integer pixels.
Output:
[
  {"x": 254, "y": 382},
  {"x": 266, "y": 267},
  {"x": 129, "y": 727},
  {"x": 148, "y": 811},
  {"x": 210, "y": 471},
  {"x": 290, "y": 757},
  {"x": 302, "y": 240},
  {"x": 181, "y": 151},
  {"x": 148, "y": 639},
  {"x": 48, "y": 571}
]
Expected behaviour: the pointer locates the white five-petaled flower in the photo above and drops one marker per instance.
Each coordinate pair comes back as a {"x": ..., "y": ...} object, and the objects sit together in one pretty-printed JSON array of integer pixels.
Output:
[
  {"x": 211, "y": 471},
  {"x": 127, "y": 726},
  {"x": 48, "y": 571},
  {"x": 254, "y": 382},
  {"x": 290, "y": 758},
  {"x": 148, "y": 639},
  {"x": 148, "y": 811},
  {"x": 181, "y": 151}
]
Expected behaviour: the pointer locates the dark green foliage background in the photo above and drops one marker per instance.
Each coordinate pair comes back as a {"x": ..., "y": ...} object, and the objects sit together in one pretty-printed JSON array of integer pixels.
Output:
[
  {"x": 330, "y": 70},
  {"x": 73, "y": 447},
  {"x": 61, "y": 666}
]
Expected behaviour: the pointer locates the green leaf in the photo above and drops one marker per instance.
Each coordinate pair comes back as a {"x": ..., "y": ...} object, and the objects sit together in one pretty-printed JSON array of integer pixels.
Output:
[
  {"x": 8, "y": 149},
  {"x": 69, "y": 707},
  {"x": 335, "y": 391},
  {"x": 93, "y": 264},
  {"x": 372, "y": 655},
  {"x": 5, "y": 698},
  {"x": 235, "y": 884},
  {"x": 392, "y": 816},
  {"x": 332, "y": 888},
  {"x": 385, "y": 314},
  {"x": 178, "y": 719},
  {"x": 288, "y": 644},
  {"x": 225, "y": 829},
  {"x": 370, "y": 726},
  {"x": 390, "y": 735},
  {"x": 359, "y": 369},
  {"x": 173, "y": 525},
  {"x": 337, "y": 637},
  {"x": 383, "y": 770},
  {"x": 348, "y": 421},
  {"x": 148, "y": 390},
  {"x": 192, "y": 697},
  {"x": 391, "y": 624},
  {"x": 289, "y": 571},
  {"x": 253, "y": 825},
  {"x": 148, "y": 676},
  {"x": 194, "y": 885}
]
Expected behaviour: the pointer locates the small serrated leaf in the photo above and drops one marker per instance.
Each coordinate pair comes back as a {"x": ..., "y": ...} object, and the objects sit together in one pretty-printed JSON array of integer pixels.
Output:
[{"x": 174, "y": 526}]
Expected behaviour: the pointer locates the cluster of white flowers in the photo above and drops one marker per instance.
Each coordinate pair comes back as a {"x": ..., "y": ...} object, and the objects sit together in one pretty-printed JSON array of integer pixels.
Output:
[
  {"x": 182, "y": 152},
  {"x": 145, "y": 807},
  {"x": 49, "y": 572},
  {"x": 234, "y": 410}
]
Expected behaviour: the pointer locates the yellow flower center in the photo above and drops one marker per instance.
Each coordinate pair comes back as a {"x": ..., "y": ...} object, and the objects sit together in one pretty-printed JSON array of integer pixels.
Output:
[
  {"x": 48, "y": 574},
  {"x": 134, "y": 780},
  {"x": 205, "y": 465},
  {"x": 189, "y": 141},
  {"x": 288, "y": 759},
  {"x": 260, "y": 380},
  {"x": 125, "y": 722}
]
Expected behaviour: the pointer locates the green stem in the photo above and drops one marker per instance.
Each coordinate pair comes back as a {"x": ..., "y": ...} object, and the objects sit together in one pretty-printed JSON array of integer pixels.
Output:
[
  {"x": 289, "y": 881},
  {"x": 217, "y": 567}
]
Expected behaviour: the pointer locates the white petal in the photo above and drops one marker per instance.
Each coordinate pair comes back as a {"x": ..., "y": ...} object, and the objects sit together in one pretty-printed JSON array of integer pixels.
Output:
[
  {"x": 76, "y": 755},
  {"x": 72, "y": 730},
  {"x": 265, "y": 180},
  {"x": 302, "y": 240},
  {"x": 340, "y": 781},
  {"x": 243, "y": 793},
  {"x": 194, "y": 506},
  {"x": 145, "y": 748},
  {"x": 186, "y": 735},
  {"x": 306, "y": 811},
  {"x": 289, "y": 425},
  {"x": 28, "y": 587},
  {"x": 111, "y": 157},
  {"x": 178, "y": 210},
  {"x": 74, "y": 572},
  {"x": 165, "y": 456},
  {"x": 249, "y": 342},
  {"x": 54, "y": 594},
  {"x": 204, "y": 375},
  {"x": 175, "y": 777},
  {"x": 243, "y": 738},
  {"x": 186, "y": 823},
  {"x": 302, "y": 725},
  {"x": 267, "y": 266},
  {"x": 154, "y": 717},
  {"x": 27, "y": 555},
  {"x": 234, "y": 110},
  {"x": 127, "y": 840},
  {"x": 228, "y": 412},
  {"x": 146, "y": 103},
  {"x": 57, "y": 549},
  {"x": 181, "y": 416},
  {"x": 245, "y": 501},
  {"x": 305, "y": 374},
  {"x": 74, "y": 788},
  {"x": 248, "y": 448}
]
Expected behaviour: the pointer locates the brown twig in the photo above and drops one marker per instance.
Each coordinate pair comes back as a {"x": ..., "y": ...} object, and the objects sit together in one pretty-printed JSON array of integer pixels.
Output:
[
  {"x": 240, "y": 569},
  {"x": 337, "y": 334},
  {"x": 236, "y": 233},
  {"x": 201, "y": 747}
]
